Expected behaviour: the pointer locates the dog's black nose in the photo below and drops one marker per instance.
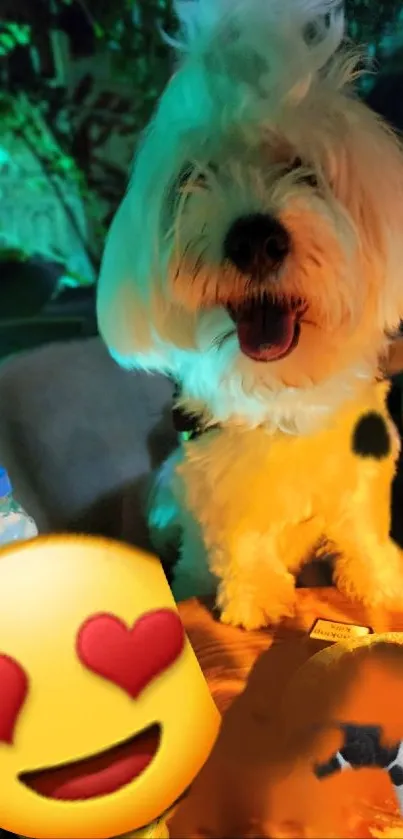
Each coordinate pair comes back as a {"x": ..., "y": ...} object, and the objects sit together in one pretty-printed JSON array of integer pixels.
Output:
[{"x": 257, "y": 244}]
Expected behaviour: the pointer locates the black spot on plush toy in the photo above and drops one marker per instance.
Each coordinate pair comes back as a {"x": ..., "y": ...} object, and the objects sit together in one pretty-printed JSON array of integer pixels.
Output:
[
  {"x": 362, "y": 748},
  {"x": 371, "y": 436}
]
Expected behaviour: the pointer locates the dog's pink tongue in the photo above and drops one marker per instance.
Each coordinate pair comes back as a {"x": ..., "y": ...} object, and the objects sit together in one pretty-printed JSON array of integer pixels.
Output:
[{"x": 265, "y": 331}]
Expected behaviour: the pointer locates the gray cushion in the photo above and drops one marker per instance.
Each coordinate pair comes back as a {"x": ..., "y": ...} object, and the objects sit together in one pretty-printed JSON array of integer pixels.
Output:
[{"x": 80, "y": 437}]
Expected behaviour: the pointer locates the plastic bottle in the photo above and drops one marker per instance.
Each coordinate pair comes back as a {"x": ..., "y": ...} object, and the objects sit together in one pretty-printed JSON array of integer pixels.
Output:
[{"x": 15, "y": 524}]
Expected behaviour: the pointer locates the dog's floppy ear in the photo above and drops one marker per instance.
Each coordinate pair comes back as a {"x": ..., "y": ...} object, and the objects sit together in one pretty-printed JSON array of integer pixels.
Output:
[
  {"x": 124, "y": 302},
  {"x": 372, "y": 190},
  {"x": 390, "y": 207},
  {"x": 116, "y": 296},
  {"x": 138, "y": 321}
]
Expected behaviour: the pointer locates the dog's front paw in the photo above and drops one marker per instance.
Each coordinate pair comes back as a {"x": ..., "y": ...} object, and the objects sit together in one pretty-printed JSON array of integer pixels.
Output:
[
  {"x": 255, "y": 610},
  {"x": 245, "y": 615},
  {"x": 384, "y": 600},
  {"x": 250, "y": 615},
  {"x": 380, "y": 591}
]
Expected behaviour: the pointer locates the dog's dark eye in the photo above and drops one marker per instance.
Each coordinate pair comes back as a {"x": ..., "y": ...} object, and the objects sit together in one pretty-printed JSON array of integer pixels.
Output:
[
  {"x": 192, "y": 174},
  {"x": 187, "y": 174},
  {"x": 310, "y": 179}
]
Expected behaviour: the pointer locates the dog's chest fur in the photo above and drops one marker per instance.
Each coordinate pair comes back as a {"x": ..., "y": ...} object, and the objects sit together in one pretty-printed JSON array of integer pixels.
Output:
[{"x": 239, "y": 479}]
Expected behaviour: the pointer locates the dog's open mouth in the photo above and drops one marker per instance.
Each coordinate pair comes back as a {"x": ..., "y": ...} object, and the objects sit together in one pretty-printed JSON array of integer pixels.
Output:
[
  {"x": 102, "y": 774},
  {"x": 267, "y": 329}
]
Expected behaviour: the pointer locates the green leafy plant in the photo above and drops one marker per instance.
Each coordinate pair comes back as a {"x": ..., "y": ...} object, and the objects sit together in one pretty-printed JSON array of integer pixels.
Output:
[
  {"x": 13, "y": 35},
  {"x": 12, "y": 254},
  {"x": 368, "y": 19}
]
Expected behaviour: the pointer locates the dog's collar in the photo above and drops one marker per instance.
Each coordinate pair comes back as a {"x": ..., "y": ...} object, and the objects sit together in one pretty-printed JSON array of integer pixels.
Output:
[{"x": 188, "y": 426}]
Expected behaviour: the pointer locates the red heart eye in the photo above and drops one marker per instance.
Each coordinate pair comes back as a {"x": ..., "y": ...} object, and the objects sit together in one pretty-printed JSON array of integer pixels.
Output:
[
  {"x": 131, "y": 657},
  {"x": 13, "y": 692}
]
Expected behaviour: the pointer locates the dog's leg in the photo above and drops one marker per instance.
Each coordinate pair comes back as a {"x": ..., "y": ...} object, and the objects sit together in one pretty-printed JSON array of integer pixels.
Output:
[
  {"x": 174, "y": 531},
  {"x": 164, "y": 509},
  {"x": 258, "y": 577},
  {"x": 255, "y": 587},
  {"x": 368, "y": 568},
  {"x": 369, "y": 565},
  {"x": 192, "y": 575}
]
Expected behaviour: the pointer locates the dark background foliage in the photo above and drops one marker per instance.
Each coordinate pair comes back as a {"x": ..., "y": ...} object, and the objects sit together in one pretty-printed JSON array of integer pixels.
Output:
[{"x": 126, "y": 33}]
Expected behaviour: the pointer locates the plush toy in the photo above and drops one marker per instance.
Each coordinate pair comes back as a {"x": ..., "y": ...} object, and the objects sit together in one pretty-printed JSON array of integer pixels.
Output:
[{"x": 312, "y": 748}]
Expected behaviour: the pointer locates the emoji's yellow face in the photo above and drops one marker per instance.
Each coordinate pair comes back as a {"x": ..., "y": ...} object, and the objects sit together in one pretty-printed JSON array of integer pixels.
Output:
[{"x": 105, "y": 717}]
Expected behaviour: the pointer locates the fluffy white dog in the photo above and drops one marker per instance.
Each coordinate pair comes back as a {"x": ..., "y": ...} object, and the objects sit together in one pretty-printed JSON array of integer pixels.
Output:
[{"x": 257, "y": 258}]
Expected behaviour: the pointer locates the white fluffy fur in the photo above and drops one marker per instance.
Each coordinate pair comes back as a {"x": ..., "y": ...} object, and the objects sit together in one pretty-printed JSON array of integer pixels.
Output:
[{"x": 258, "y": 84}]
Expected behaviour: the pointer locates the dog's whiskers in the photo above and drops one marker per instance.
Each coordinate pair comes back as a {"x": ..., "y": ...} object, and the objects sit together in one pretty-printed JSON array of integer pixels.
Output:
[
  {"x": 199, "y": 264},
  {"x": 220, "y": 340}
]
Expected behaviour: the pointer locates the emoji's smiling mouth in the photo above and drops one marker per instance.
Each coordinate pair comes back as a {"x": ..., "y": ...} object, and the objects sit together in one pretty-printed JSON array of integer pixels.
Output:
[{"x": 102, "y": 774}]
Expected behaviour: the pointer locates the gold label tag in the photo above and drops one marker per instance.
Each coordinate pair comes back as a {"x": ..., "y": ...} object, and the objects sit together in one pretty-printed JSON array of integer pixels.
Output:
[{"x": 324, "y": 630}]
